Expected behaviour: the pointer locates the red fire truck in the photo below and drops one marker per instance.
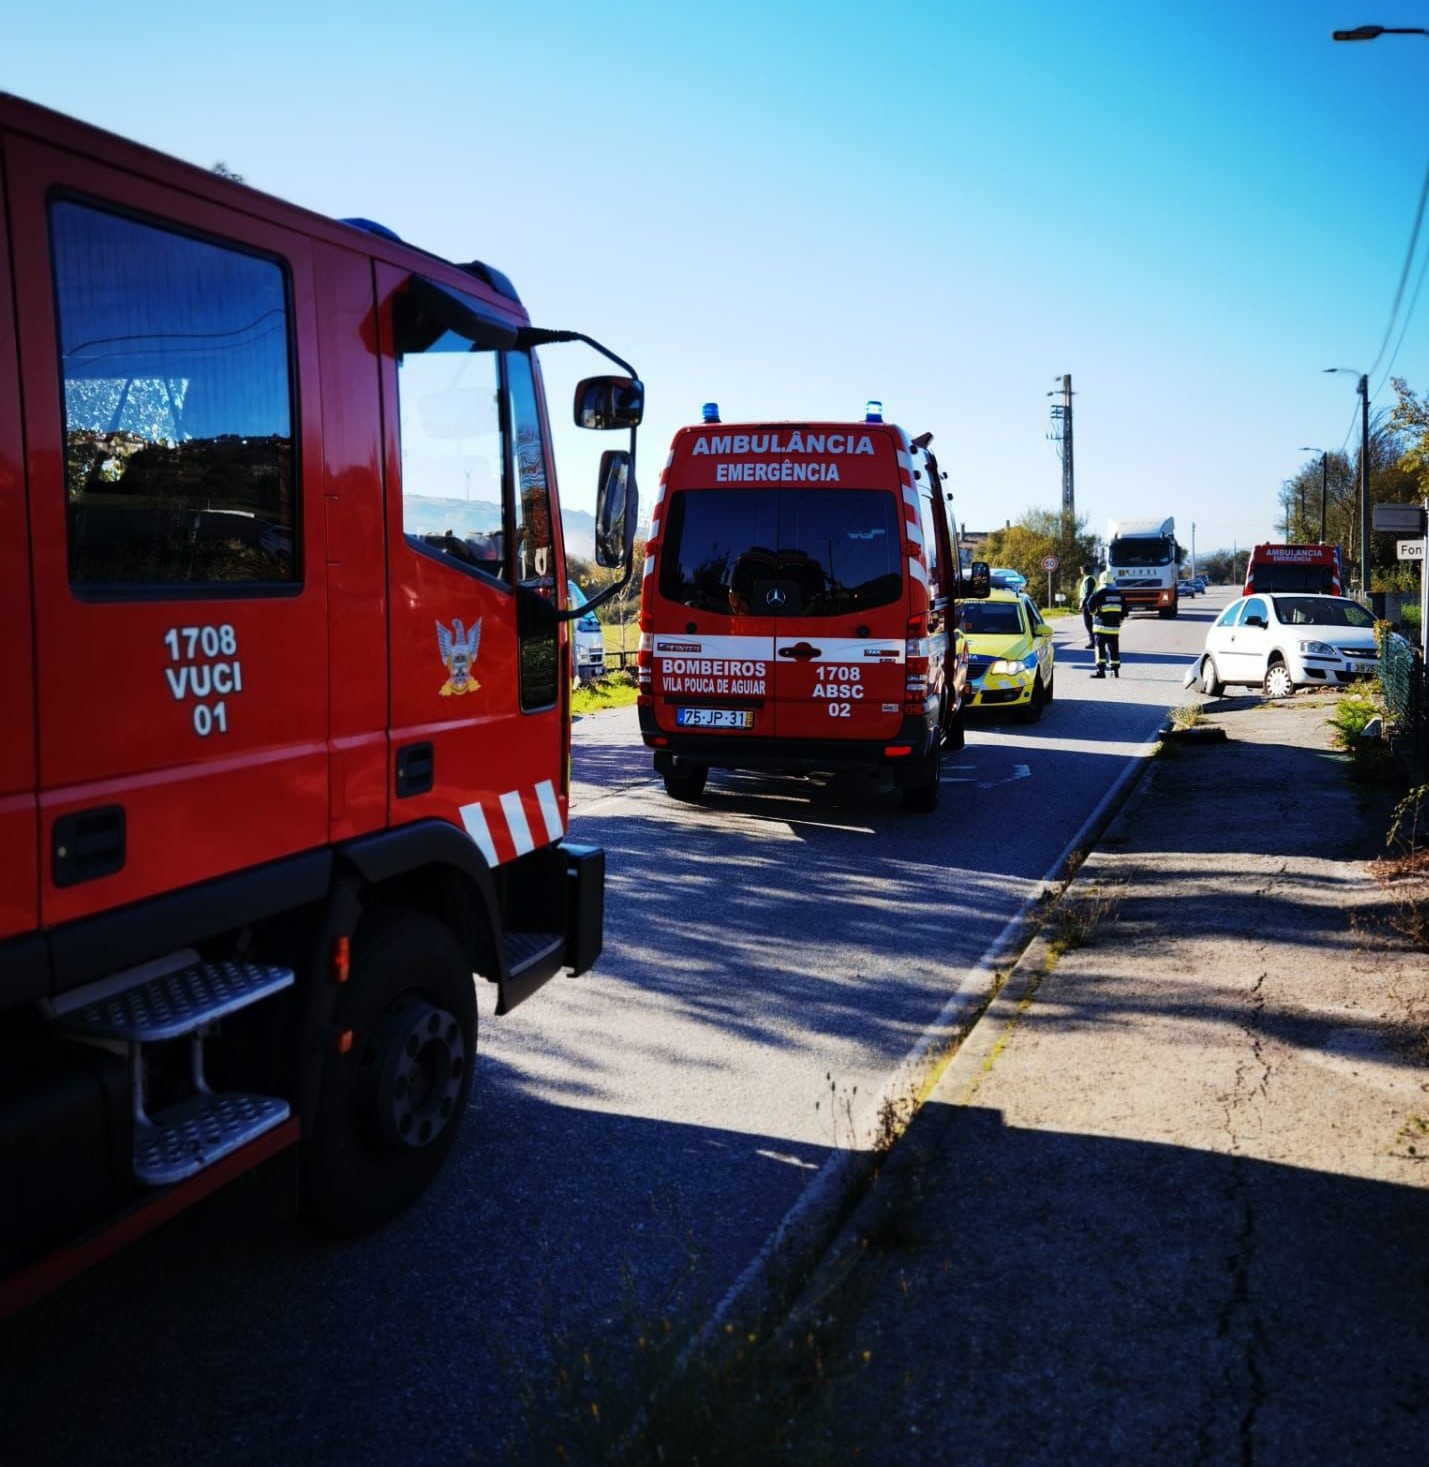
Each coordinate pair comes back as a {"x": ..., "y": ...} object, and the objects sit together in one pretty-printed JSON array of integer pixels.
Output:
[{"x": 286, "y": 756}]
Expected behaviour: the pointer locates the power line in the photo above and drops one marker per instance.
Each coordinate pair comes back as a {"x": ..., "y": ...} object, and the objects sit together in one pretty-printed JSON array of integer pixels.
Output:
[
  {"x": 1404, "y": 274},
  {"x": 1404, "y": 330}
]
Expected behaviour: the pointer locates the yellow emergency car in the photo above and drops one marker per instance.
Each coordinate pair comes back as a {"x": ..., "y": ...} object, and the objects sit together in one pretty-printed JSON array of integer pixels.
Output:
[{"x": 1010, "y": 659}]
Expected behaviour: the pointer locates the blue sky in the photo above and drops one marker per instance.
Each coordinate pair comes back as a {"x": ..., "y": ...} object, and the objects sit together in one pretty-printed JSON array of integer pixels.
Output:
[{"x": 790, "y": 208}]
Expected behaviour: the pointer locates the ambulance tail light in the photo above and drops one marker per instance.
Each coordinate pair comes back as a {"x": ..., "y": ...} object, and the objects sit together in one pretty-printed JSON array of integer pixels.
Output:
[
  {"x": 915, "y": 693},
  {"x": 644, "y": 668}
]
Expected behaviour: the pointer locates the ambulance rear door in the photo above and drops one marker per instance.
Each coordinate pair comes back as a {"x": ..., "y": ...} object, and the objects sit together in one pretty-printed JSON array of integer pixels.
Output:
[
  {"x": 712, "y": 644},
  {"x": 841, "y": 625}
]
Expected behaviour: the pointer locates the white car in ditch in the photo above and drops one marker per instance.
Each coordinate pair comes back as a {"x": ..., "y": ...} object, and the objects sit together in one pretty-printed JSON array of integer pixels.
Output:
[{"x": 1279, "y": 643}]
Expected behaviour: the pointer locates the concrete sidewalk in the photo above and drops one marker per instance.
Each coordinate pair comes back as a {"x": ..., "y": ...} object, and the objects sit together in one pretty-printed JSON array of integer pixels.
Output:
[{"x": 1170, "y": 1201}]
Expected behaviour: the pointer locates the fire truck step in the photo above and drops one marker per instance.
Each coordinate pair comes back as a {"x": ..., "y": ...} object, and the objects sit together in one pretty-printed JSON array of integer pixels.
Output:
[
  {"x": 526, "y": 949},
  {"x": 198, "y": 1131},
  {"x": 179, "y": 1002}
]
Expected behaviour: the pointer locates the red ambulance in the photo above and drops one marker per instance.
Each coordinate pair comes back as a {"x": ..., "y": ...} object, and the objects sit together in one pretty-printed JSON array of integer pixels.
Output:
[
  {"x": 285, "y": 754},
  {"x": 797, "y": 612}
]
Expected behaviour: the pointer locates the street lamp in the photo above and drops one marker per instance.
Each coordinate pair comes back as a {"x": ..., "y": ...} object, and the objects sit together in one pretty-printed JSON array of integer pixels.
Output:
[
  {"x": 1372, "y": 32},
  {"x": 1364, "y": 473},
  {"x": 1324, "y": 483}
]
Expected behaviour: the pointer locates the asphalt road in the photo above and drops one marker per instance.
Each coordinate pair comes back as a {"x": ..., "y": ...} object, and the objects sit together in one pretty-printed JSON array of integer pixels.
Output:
[{"x": 772, "y": 957}]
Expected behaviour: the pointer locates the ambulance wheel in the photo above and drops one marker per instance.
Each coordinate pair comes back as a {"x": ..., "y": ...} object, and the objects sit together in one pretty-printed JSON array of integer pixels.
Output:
[
  {"x": 1211, "y": 684},
  {"x": 1050, "y": 682},
  {"x": 922, "y": 798},
  {"x": 1031, "y": 712},
  {"x": 390, "y": 1106},
  {"x": 957, "y": 735},
  {"x": 686, "y": 784}
]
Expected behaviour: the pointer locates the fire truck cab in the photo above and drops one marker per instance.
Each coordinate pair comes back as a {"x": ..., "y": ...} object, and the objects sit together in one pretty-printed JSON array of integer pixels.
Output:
[
  {"x": 287, "y": 751},
  {"x": 797, "y": 610}
]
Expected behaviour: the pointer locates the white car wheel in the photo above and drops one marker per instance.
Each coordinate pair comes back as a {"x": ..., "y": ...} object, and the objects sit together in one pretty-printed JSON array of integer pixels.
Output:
[
  {"x": 1211, "y": 684},
  {"x": 1278, "y": 683}
]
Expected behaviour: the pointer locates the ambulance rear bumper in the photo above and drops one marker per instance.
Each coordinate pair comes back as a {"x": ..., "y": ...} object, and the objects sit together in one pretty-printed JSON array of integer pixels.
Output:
[{"x": 674, "y": 751}]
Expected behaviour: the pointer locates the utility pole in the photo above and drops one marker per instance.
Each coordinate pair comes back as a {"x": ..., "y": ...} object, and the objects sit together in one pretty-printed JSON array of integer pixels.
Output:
[{"x": 1062, "y": 434}]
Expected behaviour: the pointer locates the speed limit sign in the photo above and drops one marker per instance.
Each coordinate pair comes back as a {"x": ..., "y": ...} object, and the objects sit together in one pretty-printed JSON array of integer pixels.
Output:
[{"x": 1049, "y": 563}]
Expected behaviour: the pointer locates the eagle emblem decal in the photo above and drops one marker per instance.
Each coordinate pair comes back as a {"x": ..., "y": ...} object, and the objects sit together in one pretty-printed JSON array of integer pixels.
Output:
[{"x": 458, "y": 653}]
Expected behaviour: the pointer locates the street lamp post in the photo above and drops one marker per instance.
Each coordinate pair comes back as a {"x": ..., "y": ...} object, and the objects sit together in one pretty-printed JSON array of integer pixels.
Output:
[
  {"x": 1372, "y": 32},
  {"x": 1324, "y": 483},
  {"x": 1364, "y": 473}
]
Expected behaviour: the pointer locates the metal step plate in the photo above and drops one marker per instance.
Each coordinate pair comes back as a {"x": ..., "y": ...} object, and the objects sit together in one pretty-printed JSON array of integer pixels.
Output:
[
  {"x": 199, "y": 1131},
  {"x": 524, "y": 949},
  {"x": 177, "y": 1003}
]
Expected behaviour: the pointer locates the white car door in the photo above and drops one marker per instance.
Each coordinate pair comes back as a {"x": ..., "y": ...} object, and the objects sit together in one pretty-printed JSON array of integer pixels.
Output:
[{"x": 1247, "y": 644}]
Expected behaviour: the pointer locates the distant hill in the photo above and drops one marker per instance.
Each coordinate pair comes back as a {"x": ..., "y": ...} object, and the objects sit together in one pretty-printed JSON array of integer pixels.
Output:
[{"x": 427, "y": 516}]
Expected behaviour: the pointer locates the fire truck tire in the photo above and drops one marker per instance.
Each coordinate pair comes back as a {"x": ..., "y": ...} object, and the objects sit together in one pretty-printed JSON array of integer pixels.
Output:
[
  {"x": 686, "y": 784},
  {"x": 922, "y": 798},
  {"x": 390, "y": 1106}
]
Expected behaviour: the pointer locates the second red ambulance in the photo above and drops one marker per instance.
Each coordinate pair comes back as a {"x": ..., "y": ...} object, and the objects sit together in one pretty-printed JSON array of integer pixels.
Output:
[{"x": 798, "y": 606}]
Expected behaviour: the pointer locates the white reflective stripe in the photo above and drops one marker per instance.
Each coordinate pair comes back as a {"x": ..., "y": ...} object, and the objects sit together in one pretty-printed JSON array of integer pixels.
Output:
[
  {"x": 649, "y": 566},
  {"x": 917, "y": 646},
  {"x": 904, "y": 462},
  {"x": 916, "y": 570},
  {"x": 910, "y": 497},
  {"x": 550, "y": 809},
  {"x": 474, "y": 818},
  {"x": 669, "y": 644},
  {"x": 670, "y": 457},
  {"x": 644, "y": 643},
  {"x": 516, "y": 822},
  {"x": 915, "y": 533}
]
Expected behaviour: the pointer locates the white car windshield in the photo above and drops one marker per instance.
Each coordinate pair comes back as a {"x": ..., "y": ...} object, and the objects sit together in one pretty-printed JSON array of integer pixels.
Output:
[{"x": 1320, "y": 611}]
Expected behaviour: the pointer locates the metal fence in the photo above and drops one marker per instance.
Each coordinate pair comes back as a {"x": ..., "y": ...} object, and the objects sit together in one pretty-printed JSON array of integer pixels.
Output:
[{"x": 1406, "y": 699}]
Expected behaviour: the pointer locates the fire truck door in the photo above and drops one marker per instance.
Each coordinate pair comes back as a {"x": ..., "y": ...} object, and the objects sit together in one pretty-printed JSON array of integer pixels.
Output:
[
  {"x": 19, "y": 888},
  {"x": 176, "y": 513},
  {"x": 476, "y": 673}
]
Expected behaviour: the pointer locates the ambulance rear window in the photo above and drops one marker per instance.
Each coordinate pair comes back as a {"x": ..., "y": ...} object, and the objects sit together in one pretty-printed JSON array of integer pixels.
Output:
[{"x": 786, "y": 552}]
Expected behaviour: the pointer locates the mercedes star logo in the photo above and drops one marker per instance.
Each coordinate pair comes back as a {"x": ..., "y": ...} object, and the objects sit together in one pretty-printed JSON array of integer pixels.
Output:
[{"x": 775, "y": 597}]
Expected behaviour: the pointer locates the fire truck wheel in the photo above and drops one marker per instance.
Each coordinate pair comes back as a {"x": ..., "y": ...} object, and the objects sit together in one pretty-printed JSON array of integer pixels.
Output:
[
  {"x": 922, "y": 797},
  {"x": 390, "y": 1107},
  {"x": 686, "y": 784}
]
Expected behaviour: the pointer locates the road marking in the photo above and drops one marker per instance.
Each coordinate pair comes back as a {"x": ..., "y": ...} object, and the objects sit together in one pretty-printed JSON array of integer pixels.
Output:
[{"x": 1019, "y": 771}]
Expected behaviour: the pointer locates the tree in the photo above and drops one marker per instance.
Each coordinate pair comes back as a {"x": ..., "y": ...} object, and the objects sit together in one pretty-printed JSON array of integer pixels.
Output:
[
  {"x": 1023, "y": 547},
  {"x": 1409, "y": 418}
]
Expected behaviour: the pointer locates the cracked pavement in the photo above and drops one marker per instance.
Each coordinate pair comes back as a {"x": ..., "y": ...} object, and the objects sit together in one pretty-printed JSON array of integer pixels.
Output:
[{"x": 1169, "y": 1202}]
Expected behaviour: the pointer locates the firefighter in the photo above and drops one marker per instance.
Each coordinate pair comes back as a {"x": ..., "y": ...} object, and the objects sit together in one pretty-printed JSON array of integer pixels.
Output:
[
  {"x": 1106, "y": 610},
  {"x": 1085, "y": 587}
]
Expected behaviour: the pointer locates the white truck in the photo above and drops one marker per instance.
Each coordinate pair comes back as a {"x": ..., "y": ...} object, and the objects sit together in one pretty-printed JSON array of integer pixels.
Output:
[{"x": 1141, "y": 555}]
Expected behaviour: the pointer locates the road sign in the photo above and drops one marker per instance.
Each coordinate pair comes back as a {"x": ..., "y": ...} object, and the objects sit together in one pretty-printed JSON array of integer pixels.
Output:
[
  {"x": 1049, "y": 563},
  {"x": 1408, "y": 519},
  {"x": 1411, "y": 550}
]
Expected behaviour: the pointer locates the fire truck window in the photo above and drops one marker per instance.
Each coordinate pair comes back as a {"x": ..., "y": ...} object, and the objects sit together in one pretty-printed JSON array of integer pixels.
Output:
[
  {"x": 535, "y": 549},
  {"x": 453, "y": 447},
  {"x": 177, "y": 400}
]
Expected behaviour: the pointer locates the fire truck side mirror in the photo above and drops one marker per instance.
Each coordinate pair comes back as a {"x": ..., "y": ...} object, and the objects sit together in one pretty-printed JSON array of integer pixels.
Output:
[
  {"x": 978, "y": 583},
  {"x": 609, "y": 402},
  {"x": 616, "y": 509}
]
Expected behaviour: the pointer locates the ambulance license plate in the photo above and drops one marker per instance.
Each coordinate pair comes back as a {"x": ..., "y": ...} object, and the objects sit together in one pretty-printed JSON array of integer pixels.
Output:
[{"x": 714, "y": 718}]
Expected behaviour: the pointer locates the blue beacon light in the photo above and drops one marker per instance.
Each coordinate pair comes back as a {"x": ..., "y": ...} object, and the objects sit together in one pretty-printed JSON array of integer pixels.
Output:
[
  {"x": 709, "y": 412},
  {"x": 873, "y": 411}
]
